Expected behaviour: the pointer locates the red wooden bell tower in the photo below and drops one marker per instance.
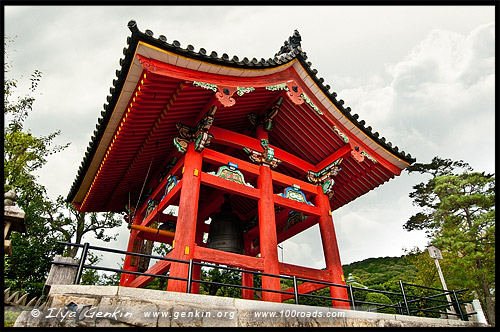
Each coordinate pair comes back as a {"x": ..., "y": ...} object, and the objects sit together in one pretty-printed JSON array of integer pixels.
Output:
[{"x": 184, "y": 128}]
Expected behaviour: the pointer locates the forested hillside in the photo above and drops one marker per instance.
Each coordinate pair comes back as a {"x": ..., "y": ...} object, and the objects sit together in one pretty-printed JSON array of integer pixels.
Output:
[{"x": 374, "y": 271}]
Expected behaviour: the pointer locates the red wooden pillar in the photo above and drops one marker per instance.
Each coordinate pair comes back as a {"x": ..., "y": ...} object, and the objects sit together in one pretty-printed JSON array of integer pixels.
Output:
[
  {"x": 331, "y": 250},
  {"x": 185, "y": 230},
  {"x": 134, "y": 245},
  {"x": 267, "y": 229},
  {"x": 195, "y": 287},
  {"x": 247, "y": 278}
]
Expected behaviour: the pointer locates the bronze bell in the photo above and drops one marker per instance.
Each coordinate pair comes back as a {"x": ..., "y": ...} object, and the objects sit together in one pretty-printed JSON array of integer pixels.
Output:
[{"x": 225, "y": 231}]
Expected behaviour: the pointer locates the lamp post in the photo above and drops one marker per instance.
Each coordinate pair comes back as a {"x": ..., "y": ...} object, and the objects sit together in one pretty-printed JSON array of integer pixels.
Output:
[{"x": 435, "y": 253}]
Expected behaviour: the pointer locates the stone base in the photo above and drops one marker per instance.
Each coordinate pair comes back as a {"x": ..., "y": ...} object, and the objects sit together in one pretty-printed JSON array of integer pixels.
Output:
[{"x": 114, "y": 306}]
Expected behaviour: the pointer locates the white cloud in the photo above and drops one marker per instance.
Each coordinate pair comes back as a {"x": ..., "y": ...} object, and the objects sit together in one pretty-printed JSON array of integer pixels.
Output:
[{"x": 442, "y": 93}]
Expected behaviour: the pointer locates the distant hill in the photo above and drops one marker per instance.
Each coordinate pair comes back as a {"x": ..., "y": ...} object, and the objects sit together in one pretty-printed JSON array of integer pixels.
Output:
[{"x": 373, "y": 271}]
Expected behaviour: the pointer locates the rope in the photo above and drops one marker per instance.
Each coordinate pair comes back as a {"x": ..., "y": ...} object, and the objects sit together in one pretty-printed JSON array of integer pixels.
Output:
[{"x": 143, "y": 185}]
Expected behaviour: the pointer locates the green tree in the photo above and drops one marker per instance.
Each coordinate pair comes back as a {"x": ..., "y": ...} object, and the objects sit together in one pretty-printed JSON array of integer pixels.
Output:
[
  {"x": 25, "y": 153},
  {"x": 459, "y": 217},
  {"x": 380, "y": 298},
  {"x": 73, "y": 224}
]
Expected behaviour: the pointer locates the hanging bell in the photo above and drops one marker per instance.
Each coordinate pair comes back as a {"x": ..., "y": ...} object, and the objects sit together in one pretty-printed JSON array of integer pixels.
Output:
[{"x": 225, "y": 231}]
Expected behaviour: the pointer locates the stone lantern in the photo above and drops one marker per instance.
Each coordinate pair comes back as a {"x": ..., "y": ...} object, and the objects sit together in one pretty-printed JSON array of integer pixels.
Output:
[{"x": 13, "y": 220}]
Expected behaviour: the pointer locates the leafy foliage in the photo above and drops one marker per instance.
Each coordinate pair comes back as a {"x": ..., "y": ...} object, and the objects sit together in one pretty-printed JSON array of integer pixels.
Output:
[{"x": 376, "y": 271}]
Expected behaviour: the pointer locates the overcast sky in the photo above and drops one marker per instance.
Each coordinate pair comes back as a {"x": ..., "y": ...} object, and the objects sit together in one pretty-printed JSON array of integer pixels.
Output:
[{"x": 423, "y": 77}]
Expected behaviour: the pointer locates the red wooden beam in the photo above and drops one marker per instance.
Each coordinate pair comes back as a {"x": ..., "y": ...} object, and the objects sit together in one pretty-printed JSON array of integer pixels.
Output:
[
  {"x": 296, "y": 206},
  {"x": 171, "y": 196},
  {"x": 233, "y": 139},
  {"x": 159, "y": 268},
  {"x": 160, "y": 189},
  {"x": 305, "y": 288},
  {"x": 226, "y": 185},
  {"x": 288, "y": 181},
  {"x": 219, "y": 158},
  {"x": 304, "y": 272},
  {"x": 194, "y": 122},
  {"x": 283, "y": 236},
  {"x": 228, "y": 258},
  {"x": 336, "y": 155},
  {"x": 299, "y": 228}
]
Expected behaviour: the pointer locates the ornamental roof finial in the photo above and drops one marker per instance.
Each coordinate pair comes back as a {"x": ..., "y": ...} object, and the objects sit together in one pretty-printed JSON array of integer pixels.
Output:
[{"x": 291, "y": 44}]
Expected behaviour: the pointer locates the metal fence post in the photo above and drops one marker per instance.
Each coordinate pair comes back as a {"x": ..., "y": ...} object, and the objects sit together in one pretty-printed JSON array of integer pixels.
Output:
[
  {"x": 295, "y": 290},
  {"x": 82, "y": 262},
  {"x": 353, "y": 302},
  {"x": 460, "y": 313},
  {"x": 190, "y": 276},
  {"x": 404, "y": 297},
  {"x": 400, "y": 308}
]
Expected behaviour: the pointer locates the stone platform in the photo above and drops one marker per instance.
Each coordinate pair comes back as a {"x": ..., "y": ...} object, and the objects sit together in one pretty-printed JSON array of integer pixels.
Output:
[{"x": 114, "y": 306}]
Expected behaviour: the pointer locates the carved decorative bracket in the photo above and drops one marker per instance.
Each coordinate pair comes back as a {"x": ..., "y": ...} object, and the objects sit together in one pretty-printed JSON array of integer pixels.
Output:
[
  {"x": 199, "y": 134},
  {"x": 325, "y": 177},
  {"x": 231, "y": 173},
  {"x": 294, "y": 217},
  {"x": 294, "y": 193},
  {"x": 294, "y": 92},
  {"x": 224, "y": 94},
  {"x": 358, "y": 154},
  {"x": 266, "y": 119},
  {"x": 152, "y": 204},
  {"x": 263, "y": 158},
  {"x": 171, "y": 183}
]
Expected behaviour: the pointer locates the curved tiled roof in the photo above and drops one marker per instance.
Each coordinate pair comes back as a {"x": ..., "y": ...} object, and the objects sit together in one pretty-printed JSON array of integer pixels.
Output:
[{"x": 288, "y": 52}]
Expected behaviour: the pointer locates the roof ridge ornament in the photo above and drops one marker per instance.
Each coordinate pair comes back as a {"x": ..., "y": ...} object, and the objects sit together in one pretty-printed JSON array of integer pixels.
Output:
[{"x": 292, "y": 44}]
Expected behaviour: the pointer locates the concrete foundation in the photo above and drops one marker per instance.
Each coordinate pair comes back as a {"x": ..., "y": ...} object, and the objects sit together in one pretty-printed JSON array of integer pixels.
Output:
[{"x": 114, "y": 306}]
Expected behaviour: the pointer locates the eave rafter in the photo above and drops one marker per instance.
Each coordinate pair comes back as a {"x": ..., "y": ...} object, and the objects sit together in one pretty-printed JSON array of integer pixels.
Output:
[{"x": 122, "y": 132}]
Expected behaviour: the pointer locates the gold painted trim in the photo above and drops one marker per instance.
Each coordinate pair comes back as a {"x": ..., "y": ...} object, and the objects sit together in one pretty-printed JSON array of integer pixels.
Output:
[{"x": 110, "y": 140}]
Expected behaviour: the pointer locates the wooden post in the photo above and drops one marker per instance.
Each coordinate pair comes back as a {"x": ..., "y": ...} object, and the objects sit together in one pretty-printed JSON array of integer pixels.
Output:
[
  {"x": 134, "y": 245},
  {"x": 195, "y": 287},
  {"x": 331, "y": 250},
  {"x": 185, "y": 230},
  {"x": 247, "y": 281},
  {"x": 267, "y": 230},
  {"x": 247, "y": 278}
]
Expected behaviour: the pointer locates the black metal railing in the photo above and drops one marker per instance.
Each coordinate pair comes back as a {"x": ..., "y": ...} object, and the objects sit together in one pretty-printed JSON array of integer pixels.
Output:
[{"x": 407, "y": 304}]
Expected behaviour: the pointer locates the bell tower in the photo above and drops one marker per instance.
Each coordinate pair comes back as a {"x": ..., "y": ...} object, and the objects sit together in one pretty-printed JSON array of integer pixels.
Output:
[{"x": 261, "y": 148}]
